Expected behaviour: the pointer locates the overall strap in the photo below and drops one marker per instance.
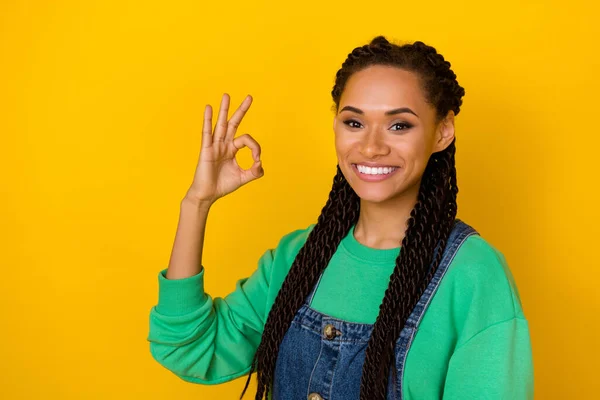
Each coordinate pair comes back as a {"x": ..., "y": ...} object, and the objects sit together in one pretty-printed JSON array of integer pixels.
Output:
[
  {"x": 460, "y": 232},
  {"x": 310, "y": 296}
]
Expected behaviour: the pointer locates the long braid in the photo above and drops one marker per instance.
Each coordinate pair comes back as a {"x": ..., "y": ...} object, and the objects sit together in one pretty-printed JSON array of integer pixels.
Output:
[
  {"x": 337, "y": 217},
  {"x": 426, "y": 235},
  {"x": 408, "y": 280}
]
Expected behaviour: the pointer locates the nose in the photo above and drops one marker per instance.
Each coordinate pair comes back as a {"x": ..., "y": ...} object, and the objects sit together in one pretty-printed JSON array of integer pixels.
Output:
[{"x": 373, "y": 145}]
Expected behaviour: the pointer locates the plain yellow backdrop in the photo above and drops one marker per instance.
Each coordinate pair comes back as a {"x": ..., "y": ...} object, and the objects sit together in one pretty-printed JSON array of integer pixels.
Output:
[{"x": 100, "y": 117}]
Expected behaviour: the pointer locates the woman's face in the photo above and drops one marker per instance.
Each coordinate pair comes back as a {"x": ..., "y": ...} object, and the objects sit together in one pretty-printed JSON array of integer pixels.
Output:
[{"x": 385, "y": 132}]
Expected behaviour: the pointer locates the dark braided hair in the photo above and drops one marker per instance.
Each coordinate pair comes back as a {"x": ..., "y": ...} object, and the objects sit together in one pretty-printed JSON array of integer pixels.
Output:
[{"x": 427, "y": 231}]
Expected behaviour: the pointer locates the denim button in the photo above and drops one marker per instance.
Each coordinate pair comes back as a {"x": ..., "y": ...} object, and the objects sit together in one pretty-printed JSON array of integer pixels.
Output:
[
  {"x": 329, "y": 331},
  {"x": 314, "y": 396}
]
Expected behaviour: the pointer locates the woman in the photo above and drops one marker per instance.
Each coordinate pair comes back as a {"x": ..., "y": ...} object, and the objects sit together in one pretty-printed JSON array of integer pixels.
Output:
[{"x": 388, "y": 295}]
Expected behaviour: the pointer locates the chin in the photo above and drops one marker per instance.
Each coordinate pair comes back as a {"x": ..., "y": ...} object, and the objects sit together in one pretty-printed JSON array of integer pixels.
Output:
[{"x": 373, "y": 195}]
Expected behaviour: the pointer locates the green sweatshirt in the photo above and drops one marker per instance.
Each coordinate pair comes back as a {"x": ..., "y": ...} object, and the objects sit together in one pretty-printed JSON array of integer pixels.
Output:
[{"x": 473, "y": 341}]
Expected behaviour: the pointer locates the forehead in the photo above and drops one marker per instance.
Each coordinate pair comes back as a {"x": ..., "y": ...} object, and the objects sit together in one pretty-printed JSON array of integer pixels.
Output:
[{"x": 383, "y": 87}]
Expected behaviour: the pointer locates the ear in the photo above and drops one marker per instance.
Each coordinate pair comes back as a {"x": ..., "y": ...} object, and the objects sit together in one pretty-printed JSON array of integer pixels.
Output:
[{"x": 444, "y": 133}]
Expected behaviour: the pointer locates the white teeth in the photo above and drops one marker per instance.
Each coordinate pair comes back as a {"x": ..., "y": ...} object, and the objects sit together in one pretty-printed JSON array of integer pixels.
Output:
[{"x": 375, "y": 171}]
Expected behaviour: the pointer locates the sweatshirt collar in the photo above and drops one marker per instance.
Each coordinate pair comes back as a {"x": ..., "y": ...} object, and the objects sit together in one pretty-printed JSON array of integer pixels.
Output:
[{"x": 368, "y": 254}]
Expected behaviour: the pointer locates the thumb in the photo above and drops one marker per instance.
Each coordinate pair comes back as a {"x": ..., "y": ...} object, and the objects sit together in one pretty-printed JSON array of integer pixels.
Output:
[{"x": 254, "y": 172}]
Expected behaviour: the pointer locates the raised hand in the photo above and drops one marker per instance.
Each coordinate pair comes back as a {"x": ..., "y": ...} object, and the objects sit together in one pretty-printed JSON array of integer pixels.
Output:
[{"x": 218, "y": 173}]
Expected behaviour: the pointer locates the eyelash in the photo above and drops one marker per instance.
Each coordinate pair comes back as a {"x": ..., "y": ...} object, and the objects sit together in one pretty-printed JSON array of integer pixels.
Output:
[{"x": 404, "y": 124}]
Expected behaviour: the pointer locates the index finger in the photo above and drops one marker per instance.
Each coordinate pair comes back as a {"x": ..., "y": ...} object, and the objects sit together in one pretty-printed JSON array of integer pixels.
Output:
[{"x": 237, "y": 117}]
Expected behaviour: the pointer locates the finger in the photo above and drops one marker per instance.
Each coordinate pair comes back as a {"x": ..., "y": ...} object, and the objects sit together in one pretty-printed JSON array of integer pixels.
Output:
[
  {"x": 237, "y": 117},
  {"x": 221, "y": 127},
  {"x": 247, "y": 140},
  {"x": 254, "y": 172},
  {"x": 207, "y": 127}
]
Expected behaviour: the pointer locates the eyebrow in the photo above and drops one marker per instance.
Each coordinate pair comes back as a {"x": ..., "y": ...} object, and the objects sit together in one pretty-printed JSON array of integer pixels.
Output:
[{"x": 390, "y": 112}]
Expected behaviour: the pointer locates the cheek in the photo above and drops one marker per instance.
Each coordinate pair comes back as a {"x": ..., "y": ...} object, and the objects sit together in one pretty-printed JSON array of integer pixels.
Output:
[
  {"x": 343, "y": 144},
  {"x": 415, "y": 148}
]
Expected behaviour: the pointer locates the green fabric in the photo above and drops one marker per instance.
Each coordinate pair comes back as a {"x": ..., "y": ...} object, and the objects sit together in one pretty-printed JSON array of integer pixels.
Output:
[{"x": 473, "y": 341}]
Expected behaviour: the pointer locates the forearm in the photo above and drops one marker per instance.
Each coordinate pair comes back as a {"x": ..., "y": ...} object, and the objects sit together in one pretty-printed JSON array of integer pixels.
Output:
[
  {"x": 186, "y": 256},
  {"x": 209, "y": 345},
  {"x": 206, "y": 340}
]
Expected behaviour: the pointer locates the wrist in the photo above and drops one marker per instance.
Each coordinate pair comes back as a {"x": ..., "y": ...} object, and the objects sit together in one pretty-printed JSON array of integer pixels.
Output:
[{"x": 200, "y": 205}]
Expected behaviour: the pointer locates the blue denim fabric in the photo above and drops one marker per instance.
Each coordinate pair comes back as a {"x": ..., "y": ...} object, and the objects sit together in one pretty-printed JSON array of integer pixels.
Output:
[{"x": 310, "y": 362}]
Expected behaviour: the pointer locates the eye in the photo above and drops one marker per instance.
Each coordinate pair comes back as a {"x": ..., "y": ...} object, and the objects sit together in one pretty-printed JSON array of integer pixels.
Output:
[
  {"x": 349, "y": 122},
  {"x": 402, "y": 126}
]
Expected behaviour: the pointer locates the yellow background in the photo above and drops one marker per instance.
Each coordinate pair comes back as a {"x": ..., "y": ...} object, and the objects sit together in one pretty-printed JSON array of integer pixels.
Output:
[{"x": 100, "y": 117}]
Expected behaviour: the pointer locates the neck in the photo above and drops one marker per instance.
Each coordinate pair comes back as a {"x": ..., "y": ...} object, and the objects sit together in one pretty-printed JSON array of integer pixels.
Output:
[{"x": 383, "y": 225}]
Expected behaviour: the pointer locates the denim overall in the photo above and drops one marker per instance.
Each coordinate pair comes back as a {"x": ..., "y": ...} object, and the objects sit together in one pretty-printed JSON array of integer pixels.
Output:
[{"x": 321, "y": 357}]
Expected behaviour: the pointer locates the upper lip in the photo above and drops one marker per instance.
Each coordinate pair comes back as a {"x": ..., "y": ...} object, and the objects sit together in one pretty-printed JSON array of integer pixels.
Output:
[{"x": 375, "y": 165}]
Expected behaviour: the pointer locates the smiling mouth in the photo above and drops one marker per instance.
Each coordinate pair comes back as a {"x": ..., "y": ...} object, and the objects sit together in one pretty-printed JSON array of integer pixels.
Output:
[{"x": 374, "y": 171}]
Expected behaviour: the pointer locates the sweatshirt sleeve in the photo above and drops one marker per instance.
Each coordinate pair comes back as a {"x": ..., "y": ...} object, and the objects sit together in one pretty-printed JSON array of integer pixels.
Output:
[
  {"x": 204, "y": 340},
  {"x": 494, "y": 364}
]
